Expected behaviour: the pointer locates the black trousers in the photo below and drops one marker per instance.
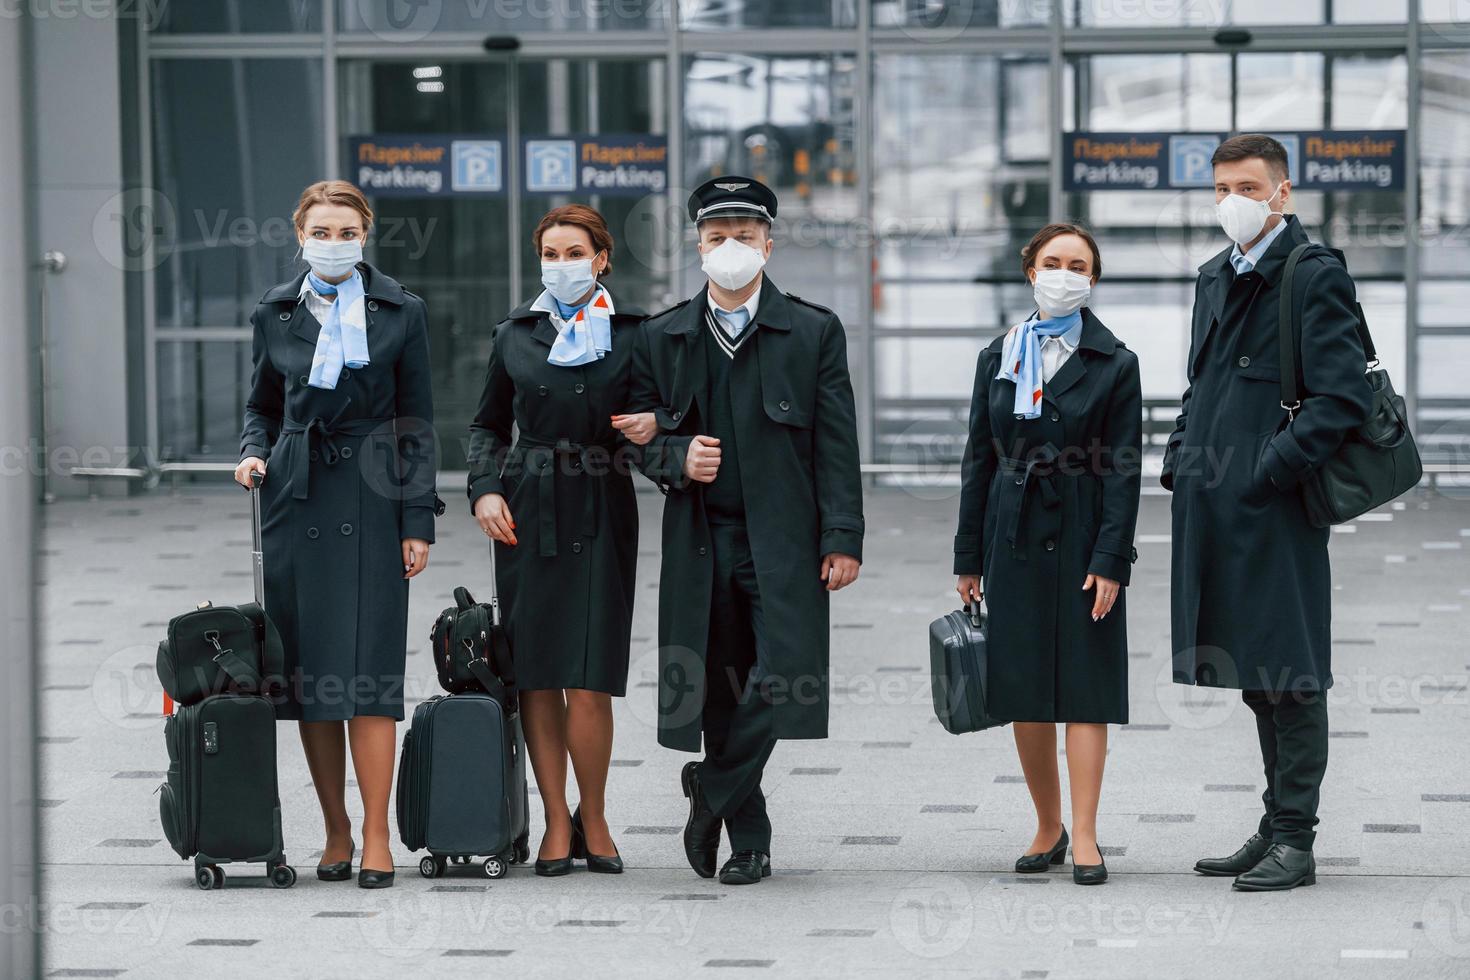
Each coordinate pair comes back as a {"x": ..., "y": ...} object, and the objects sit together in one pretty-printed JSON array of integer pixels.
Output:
[
  {"x": 1292, "y": 727},
  {"x": 737, "y": 705}
]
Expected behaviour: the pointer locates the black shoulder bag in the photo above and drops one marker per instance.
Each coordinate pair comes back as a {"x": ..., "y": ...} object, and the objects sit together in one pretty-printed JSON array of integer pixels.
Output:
[{"x": 1378, "y": 460}]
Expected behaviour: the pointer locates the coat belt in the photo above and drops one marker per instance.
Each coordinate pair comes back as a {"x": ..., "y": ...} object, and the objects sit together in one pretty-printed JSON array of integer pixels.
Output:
[
  {"x": 1036, "y": 470},
  {"x": 563, "y": 450},
  {"x": 321, "y": 434}
]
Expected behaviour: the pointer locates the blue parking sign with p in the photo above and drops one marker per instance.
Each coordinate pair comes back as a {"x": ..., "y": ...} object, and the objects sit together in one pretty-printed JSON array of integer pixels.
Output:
[
  {"x": 1189, "y": 160},
  {"x": 551, "y": 165},
  {"x": 475, "y": 166}
]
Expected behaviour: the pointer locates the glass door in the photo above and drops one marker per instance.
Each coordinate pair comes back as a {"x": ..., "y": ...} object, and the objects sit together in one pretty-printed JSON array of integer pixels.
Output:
[{"x": 462, "y": 240}]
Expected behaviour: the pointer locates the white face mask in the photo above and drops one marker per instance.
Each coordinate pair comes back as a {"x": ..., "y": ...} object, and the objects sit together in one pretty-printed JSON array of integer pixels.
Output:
[
  {"x": 1060, "y": 292},
  {"x": 331, "y": 260},
  {"x": 733, "y": 264},
  {"x": 1243, "y": 217},
  {"x": 568, "y": 281}
]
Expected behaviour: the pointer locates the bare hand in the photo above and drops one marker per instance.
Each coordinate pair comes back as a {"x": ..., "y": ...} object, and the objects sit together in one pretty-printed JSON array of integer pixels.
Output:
[
  {"x": 703, "y": 459},
  {"x": 494, "y": 517},
  {"x": 415, "y": 556},
  {"x": 1107, "y": 594},
  {"x": 839, "y": 571},
  {"x": 639, "y": 429},
  {"x": 968, "y": 586},
  {"x": 248, "y": 465}
]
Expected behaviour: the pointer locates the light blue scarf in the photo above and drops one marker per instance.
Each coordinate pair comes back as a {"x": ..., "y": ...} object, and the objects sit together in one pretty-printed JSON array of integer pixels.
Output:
[
  {"x": 1020, "y": 359},
  {"x": 583, "y": 333},
  {"x": 343, "y": 338}
]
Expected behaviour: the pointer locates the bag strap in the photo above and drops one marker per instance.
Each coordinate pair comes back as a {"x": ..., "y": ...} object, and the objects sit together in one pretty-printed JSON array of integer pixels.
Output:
[
  {"x": 242, "y": 673},
  {"x": 493, "y": 685},
  {"x": 272, "y": 651},
  {"x": 1289, "y": 325}
]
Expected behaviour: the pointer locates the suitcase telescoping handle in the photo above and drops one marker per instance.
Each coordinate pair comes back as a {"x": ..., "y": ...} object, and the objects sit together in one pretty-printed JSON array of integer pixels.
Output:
[
  {"x": 257, "y": 563},
  {"x": 494, "y": 589}
]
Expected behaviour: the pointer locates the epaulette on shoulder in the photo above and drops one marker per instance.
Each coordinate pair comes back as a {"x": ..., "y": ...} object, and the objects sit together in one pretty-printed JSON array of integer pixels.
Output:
[
  {"x": 807, "y": 302},
  {"x": 663, "y": 313}
]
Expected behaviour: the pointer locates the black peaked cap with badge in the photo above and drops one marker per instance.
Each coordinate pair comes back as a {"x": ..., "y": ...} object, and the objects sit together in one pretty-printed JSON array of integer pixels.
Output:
[{"x": 732, "y": 196}]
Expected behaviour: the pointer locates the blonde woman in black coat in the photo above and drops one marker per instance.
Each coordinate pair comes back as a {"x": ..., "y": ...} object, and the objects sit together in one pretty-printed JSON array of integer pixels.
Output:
[{"x": 1047, "y": 512}]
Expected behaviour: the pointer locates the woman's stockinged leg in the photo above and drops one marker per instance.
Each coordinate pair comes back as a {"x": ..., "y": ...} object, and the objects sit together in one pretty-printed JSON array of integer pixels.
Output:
[
  {"x": 1036, "y": 744},
  {"x": 589, "y": 741},
  {"x": 325, "y": 745},
  {"x": 1087, "y": 752},
  {"x": 544, "y": 719},
  {"x": 373, "y": 743}
]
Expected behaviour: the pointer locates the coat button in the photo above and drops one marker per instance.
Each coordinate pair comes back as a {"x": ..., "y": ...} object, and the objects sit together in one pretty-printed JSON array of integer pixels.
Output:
[
  {"x": 1056, "y": 416},
  {"x": 344, "y": 374},
  {"x": 285, "y": 316},
  {"x": 346, "y": 529},
  {"x": 701, "y": 551},
  {"x": 1244, "y": 362},
  {"x": 304, "y": 379},
  {"x": 579, "y": 388},
  {"x": 1051, "y": 545},
  {"x": 1020, "y": 480},
  {"x": 315, "y": 455},
  {"x": 312, "y": 533},
  {"x": 346, "y": 452},
  {"x": 576, "y": 547},
  {"x": 677, "y": 416},
  {"x": 543, "y": 390},
  {"x": 373, "y": 305},
  {"x": 785, "y": 406}
]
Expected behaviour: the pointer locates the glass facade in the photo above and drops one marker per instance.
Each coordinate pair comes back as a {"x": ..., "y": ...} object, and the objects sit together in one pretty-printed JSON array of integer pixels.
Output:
[{"x": 913, "y": 145}]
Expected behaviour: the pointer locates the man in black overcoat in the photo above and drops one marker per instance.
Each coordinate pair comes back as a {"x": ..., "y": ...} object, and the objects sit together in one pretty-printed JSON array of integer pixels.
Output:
[
  {"x": 1251, "y": 589},
  {"x": 757, "y": 453}
]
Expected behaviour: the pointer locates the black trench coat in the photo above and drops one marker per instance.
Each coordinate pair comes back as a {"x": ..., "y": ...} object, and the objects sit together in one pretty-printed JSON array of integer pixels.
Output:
[
  {"x": 797, "y": 431},
  {"x": 1045, "y": 502},
  {"x": 1251, "y": 592},
  {"x": 567, "y": 587},
  {"x": 349, "y": 475}
]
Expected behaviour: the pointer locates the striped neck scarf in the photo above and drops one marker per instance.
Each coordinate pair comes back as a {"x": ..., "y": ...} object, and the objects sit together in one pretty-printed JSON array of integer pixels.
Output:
[
  {"x": 342, "y": 341},
  {"x": 1020, "y": 359}
]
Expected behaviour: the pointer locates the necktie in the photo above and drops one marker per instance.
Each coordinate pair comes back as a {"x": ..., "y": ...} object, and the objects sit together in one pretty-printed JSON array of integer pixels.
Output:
[
  {"x": 733, "y": 322},
  {"x": 1241, "y": 263}
]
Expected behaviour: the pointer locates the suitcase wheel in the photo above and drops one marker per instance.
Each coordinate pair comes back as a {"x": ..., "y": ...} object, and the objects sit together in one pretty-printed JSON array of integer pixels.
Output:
[
  {"x": 283, "y": 876},
  {"x": 431, "y": 867},
  {"x": 208, "y": 876},
  {"x": 495, "y": 868}
]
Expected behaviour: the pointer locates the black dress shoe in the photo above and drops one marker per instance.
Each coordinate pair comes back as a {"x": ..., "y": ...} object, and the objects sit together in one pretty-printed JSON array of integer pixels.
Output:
[
  {"x": 338, "y": 870},
  {"x": 1089, "y": 874},
  {"x": 1032, "y": 863},
  {"x": 702, "y": 830},
  {"x": 1240, "y": 862},
  {"x": 554, "y": 868},
  {"x": 596, "y": 863},
  {"x": 1283, "y": 867},
  {"x": 746, "y": 868},
  {"x": 368, "y": 878}
]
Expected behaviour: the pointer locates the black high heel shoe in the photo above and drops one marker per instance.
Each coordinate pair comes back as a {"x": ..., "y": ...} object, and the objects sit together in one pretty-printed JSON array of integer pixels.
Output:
[
  {"x": 1089, "y": 874},
  {"x": 1032, "y": 863},
  {"x": 596, "y": 863},
  {"x": 556, "y": 867},
  {"x": 337, "y": 870},
  {"x": 369, "y": 878}
]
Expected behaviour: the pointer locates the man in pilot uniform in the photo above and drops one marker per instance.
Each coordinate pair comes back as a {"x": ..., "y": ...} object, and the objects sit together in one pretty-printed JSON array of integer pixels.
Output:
[{"x": 757, "y": 453}]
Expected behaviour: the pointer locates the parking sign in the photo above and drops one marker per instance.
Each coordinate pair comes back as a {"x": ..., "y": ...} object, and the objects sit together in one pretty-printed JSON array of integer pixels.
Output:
[
  {"x": 551, "y": 165},
  {"x": 1189, "y": 159},
  {"x": 475, "y": 166}
]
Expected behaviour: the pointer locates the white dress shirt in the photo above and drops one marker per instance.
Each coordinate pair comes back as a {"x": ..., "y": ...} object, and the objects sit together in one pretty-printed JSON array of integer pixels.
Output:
[{"x": 748, "y": 306}]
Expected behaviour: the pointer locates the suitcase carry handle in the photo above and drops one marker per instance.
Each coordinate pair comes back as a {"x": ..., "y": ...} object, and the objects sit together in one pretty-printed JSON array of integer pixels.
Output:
[{"x": 973, "y": 612}]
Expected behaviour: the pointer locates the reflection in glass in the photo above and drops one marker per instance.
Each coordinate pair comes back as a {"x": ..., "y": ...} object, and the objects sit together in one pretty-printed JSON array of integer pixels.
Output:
[
  {"x": 202, "y": 386},
  {"x": 232, "y": 16},
  {"x": 715, "y": 15},
  {"x": 397, "y": 20},
  {"x": 1193, "y": 13},
  {"x": 950, "y": 15}
]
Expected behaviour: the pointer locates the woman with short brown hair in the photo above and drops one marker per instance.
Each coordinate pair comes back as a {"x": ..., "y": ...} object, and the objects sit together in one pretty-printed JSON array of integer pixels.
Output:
[
  {"x": 1048, "y": 505},
  {"x": 559, "y": 373},
  {"x": 340, "y": 405}
]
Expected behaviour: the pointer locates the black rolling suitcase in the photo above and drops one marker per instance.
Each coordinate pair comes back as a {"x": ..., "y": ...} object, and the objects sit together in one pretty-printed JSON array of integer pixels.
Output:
[
  {"x": 462, "y": 773},
  {"x": 220, "y": 803}
]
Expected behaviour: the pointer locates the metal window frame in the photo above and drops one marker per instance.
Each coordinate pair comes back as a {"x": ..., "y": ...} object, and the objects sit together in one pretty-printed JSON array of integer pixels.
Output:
[{"x": 1056, "y": 41}]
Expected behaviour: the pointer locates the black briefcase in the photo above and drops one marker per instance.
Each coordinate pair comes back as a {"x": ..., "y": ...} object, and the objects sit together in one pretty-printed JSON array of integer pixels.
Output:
[
  {"x": 957, "y": 652},
  {"x": 462, "y": 784}
]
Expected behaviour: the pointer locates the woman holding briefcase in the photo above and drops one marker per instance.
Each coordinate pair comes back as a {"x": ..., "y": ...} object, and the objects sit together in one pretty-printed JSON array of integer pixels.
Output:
[
  {"x": 1048, "y": 505},
  {"x": 340, "y": 409}
]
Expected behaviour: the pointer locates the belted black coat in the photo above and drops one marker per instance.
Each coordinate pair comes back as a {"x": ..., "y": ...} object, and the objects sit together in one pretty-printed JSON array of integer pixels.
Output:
[
  {"x": 1045, "y": 502},
  {"x": 349, "y": 475},
  {"x": 567, "y": 587},
  {"x": 1251, "y": 595},
  {"x": 797, "y": 433}
]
